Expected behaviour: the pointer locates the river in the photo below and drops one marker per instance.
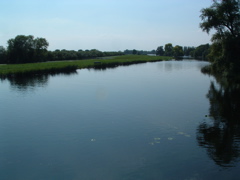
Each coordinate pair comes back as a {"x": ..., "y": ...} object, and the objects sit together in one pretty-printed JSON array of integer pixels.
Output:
[{"x": 161, "y": 120}]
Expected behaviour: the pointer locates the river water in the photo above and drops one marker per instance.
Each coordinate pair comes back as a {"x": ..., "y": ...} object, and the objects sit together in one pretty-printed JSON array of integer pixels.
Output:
[{"x": 162, "y": 120}]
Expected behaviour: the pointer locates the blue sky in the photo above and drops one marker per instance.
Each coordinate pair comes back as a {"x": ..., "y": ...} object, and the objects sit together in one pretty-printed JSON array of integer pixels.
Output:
[{"x": 106, "y": 25}]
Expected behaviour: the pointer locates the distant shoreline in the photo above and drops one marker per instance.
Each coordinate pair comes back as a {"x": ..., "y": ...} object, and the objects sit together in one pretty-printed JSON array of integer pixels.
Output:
[{"x": 10, "y": 70}]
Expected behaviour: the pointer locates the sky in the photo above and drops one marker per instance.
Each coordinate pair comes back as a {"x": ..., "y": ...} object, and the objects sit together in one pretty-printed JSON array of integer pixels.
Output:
[{"x": 106, "y": 25}]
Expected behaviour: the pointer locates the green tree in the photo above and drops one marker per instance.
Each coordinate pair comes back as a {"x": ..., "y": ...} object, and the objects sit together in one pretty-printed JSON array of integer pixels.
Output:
[
  {"x": 127, "y": 52},
  {"x": 168, "y": 49},
  {"x": 40, "y": 47},
  {"x": 201, "y": 52},
  {"x": 26, "y": 49},
  {"x": 153, "y": 51},
  {"x": 95, "y": 53},
  {"x": 178, "y": 51},
  {"x": 3, "y": 55},
  {"x": 187, "y": 50},
  {"x": 160, "y": 51},
  {"x": 223, "y": 17},
  {"x": 134, "y": 51},
  {"x": 20, "y": 49}
]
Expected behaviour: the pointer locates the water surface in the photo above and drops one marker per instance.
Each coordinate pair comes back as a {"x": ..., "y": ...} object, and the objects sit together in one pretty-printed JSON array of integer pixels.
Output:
[{"x": 145, "y": 121}]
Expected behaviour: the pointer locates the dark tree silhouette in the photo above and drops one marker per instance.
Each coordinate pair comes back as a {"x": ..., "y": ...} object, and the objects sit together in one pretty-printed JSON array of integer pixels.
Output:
[{"x": 223, "y": 17}]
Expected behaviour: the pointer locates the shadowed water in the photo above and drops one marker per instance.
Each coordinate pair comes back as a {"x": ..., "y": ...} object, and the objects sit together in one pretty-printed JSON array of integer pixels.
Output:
[{"x": 144, "y": 121}]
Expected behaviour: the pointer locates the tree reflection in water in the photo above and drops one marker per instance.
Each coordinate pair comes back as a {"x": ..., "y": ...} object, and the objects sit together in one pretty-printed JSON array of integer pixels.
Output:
[
  {"x": 221, "y": 136},
  {"x": 25, "y": 82}
]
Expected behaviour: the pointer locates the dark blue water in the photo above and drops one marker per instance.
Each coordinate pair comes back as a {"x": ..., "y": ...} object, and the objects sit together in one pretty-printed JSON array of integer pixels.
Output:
[{"x": 145, "y": 121}]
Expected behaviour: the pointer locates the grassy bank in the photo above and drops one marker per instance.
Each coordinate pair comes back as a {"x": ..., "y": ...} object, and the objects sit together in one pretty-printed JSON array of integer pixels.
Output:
[{"x": 48, "y": 67}]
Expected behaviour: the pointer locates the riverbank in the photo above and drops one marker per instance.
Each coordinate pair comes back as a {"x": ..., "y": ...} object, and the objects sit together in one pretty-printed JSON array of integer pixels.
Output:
[{"x": 53, "y": 67}]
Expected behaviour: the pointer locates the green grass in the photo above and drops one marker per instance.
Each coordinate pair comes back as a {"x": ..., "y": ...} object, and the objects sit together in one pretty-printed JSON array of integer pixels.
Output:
[{"x": 45, "y": 67}]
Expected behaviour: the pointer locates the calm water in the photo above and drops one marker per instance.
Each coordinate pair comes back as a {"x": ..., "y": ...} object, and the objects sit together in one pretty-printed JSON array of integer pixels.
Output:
[{"x": 148, "y": 121}]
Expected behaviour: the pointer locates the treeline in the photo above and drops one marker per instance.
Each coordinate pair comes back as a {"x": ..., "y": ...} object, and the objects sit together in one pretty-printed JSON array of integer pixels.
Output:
[
  {"x": 139, "y": 52},
  {"x": 64, "y": 54},
  {"x": 27, "y": 49},
  {"x": 201, "y": 52}
]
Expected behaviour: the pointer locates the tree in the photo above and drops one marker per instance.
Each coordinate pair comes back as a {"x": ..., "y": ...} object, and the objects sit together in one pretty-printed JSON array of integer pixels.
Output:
[
  {"x": 153, "y": 51},
  {"x": 160, "y": 51},
  {"x": 187, "y": 50},
  {"x": 95, "y": 53},
  {"x": 201, "y": 52},
  {"x": 134, "y": 51},
  {"x": 26, "y": 49},
  {"x": 177, "y": 51},
  {"x": 223, "y": 17},
  {"x": 168, "y": 49},
  {"x": 20, "y": 49},
  {"x": 127, "y": 52},
  {"x": 40, "y": 46},
  {"x": 3, "y": 55}
]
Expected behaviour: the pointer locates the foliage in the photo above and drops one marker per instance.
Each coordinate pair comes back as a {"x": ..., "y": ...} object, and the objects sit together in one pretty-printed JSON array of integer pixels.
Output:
[
  {"x": 160, "y": 51},
  {"x": 201, "y": 52},
  {"x": 26, "y": 49},
  {"x": 139, "y": 52},
  {"x": 168, "y": 49},
  {"x": 60, "y": 55},
  {"x": 134, "y": 51},
  {"x": 178, "y": 51},
  {"x": 3, "y": 55},
  {"x": 224, "y": 18},
  {"x": 127, "y": 52},
  {"x": 77, "y": 55},
  {"x": 187, "y": 51}
]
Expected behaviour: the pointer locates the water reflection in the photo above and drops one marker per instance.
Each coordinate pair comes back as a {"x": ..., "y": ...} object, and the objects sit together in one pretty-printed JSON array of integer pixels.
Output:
[
  {"x": 128, "y": 123},
  {"x": 27, "y": 82},
  {"x": 220, "y": 132},
  {"x": 178, "y": 65}
]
